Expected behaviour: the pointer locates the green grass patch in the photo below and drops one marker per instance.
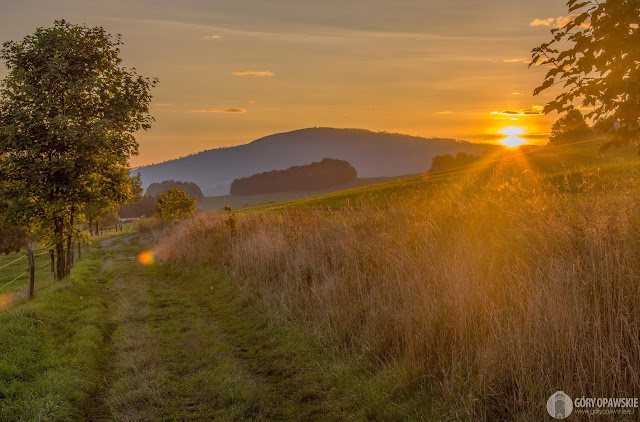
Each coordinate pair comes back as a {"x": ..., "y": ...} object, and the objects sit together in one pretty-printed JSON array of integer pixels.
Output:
[{"x": 53, "y": 349}]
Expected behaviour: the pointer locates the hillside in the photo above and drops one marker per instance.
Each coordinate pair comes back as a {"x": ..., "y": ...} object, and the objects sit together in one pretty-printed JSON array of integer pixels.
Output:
[
  {"x": 556, "y": 165},
  {"x": 373, "y": 154}
]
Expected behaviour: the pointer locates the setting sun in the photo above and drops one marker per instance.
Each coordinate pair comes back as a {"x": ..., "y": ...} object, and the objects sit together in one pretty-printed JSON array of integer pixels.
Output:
[
  {"x": 513, "y": 131},
  {"x": 513, "y": 139}
]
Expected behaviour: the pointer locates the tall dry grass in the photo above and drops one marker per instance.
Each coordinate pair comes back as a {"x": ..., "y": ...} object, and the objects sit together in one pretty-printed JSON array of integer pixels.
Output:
[{"x": 493, "y": 291}]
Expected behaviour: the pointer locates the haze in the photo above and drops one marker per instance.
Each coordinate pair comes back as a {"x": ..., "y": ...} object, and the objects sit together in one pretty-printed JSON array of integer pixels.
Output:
[{"x": 233, "y": 71}]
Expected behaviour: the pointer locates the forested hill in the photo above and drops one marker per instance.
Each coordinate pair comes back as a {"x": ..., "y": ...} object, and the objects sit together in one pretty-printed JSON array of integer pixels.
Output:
[
  {"x": 373, "y": 154},
  {"x": 320, "y": 175}
]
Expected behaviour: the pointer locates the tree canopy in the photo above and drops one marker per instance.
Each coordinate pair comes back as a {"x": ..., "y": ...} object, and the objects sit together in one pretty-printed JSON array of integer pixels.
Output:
[
  {"x": 190, "y": 188},
  {"x": 569, "y": 128},
  {"x": 175, "y": 204},
  {"x": 68, "y": 114},
  {"x": 449, "y": 162},
  {"x": 596, "y": 59}
]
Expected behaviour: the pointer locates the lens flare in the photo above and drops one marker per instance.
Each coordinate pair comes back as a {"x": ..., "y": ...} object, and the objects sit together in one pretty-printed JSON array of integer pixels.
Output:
[{"x": 146, "y": 258}]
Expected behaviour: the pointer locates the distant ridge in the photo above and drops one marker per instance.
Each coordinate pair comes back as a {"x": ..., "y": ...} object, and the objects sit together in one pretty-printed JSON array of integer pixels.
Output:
[{"x": 373, "y": 154}]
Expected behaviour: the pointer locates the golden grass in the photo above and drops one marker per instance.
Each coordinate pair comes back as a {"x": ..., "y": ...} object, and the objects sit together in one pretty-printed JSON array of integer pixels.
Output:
[{"x": 491, "y": 292}]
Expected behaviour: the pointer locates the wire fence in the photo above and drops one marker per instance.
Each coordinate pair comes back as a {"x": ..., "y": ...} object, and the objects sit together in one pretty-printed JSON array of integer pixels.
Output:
[
  {"x": 14, "y": 261},
  {"x": 7, "y": 268}
]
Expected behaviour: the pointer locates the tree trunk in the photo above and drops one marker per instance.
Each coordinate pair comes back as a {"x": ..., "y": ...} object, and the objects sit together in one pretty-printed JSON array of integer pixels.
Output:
[
  {"x": 70, "y": 242},
  {"x": 32, "y": 271},
  {"x": 59, "y": 232},
  {"x": 90, "y": 225}
]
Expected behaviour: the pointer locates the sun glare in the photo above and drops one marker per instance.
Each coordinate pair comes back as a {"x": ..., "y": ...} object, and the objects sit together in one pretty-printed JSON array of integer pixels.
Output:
[
  {"x": 513, "y": 139},
  {"x": 513, "y": 131}
]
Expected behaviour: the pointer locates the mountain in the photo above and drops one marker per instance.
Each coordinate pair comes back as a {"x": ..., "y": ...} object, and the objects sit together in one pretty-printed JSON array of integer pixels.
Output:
[{"x": 373, "y": 154}]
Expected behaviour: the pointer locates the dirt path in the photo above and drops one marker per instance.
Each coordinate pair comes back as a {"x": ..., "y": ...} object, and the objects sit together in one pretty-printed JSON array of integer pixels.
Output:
[{"x": 186, "y": 346}]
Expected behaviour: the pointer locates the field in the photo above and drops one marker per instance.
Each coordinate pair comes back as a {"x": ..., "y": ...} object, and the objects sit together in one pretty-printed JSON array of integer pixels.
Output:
[
  {"x": 466, "y": 295},
  {"x": 483, "y": 291},
  {"x": 239, "y": 201}
]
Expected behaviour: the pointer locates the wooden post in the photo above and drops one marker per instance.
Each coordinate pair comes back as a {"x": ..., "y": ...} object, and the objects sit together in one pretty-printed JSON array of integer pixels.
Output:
[
  {"x": 52, "y": 252},
  {"x": 32, "y": 271}
]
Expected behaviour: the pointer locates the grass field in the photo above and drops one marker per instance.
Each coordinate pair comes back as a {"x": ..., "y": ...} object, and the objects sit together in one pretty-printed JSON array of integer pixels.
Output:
[
  {"x": 467, "y": 295},
  {"x": 119, "y": 340},
  {"x": 240, "y": 201},
  {"x": 491, "y": 287}
]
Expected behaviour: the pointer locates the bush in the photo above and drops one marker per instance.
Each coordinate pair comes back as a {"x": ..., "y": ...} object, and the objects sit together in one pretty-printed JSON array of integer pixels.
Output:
[{"x": 175, "y": 204}]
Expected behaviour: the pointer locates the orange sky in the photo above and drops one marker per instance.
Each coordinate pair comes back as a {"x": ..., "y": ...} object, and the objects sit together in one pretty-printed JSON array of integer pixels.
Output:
[{"x": 233, "y": 71}]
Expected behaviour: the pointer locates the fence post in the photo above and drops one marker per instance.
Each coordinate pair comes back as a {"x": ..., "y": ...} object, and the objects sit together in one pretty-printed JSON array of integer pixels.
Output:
[
  {"x": 52, "y": 252},
  {"x": 32, "y": 271}
]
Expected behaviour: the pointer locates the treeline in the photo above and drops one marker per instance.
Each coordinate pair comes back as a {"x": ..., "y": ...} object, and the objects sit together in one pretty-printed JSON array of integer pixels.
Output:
[
  {"x": 146, "y": 207},
  {"x": 12, "y": 238},
  {"x": 193, "y": 190},
  {"x": 318, "y": 175},
  {"x": 449, "y": 162}
]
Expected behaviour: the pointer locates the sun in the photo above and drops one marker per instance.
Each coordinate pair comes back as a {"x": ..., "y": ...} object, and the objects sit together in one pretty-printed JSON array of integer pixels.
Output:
[
  {"x": 513, "y": 139},
  {"x": 513, "y": 131}
]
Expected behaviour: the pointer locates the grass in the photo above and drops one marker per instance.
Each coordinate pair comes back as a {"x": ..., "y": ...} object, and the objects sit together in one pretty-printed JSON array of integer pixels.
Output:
[
  {"x": 482, "y": 291},
  {"x": 470, "y": 295},
  {"x": 240, "y": 201},
  {"x": 123, "y": 341},
  {"x": 52, "y": 350}
]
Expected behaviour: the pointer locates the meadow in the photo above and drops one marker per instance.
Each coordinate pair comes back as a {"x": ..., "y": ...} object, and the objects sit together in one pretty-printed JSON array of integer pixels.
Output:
[
  {"x": 479, "y": 292},
  {"x": 465, "y": 295}
]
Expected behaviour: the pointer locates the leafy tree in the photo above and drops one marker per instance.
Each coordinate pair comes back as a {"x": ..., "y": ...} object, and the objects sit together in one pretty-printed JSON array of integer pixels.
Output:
[
  {"x": 68, "y": 114},
  {"x": 449, "y": 162},
  {"x": 175, "y": 204},
  {"x": 12, "y": 238},
  {"x": 191, "y": 188},
  {"x": 596, "y": 58},
  {"x": 570, "y": 128},
  {"x": 121, "y": 190}
]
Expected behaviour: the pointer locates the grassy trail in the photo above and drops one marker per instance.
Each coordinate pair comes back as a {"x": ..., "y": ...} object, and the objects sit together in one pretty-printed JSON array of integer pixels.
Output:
[
  {"x": 121, "y": 341},
  {"x": 186, "y": 346}
]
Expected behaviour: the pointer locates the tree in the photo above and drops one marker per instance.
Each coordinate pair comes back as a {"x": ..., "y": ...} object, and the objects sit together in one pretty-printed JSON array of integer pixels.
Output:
[
  {"x": 175, "y": 204},
  {"x": 595, "y": 56},
  {"x": 155, "y": 189},
  {"x": 68, "y": 114},
  {"x": 448, "y": 162},
  {"x": 570, "y": 128}
]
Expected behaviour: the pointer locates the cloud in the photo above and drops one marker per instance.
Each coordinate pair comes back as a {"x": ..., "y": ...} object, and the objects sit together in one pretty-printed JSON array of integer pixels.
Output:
[
  {"x": 444, "y": 112},
  {"x": 253, "y": 73},
  {"x": 558, "y": 22},
  {"x": 252, "y": 101},
  {"x": 221, "y": 110},
  {"x": 542, "y": 22},
  {"x": 163, "y": 104},
  {"x": 533, "y": 111},
  {"x": 211, "y": 37},
  {"x": 527, "y": 61},
  {"x": 517, "y": 93}
]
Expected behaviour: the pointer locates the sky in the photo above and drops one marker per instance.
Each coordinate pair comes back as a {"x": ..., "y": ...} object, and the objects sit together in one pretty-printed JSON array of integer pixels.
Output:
[{"x": 232, "y": 71}]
